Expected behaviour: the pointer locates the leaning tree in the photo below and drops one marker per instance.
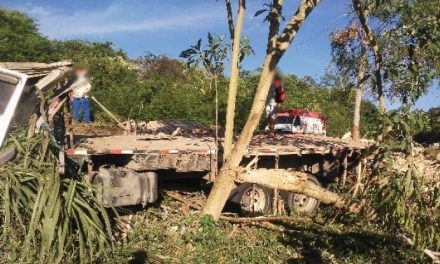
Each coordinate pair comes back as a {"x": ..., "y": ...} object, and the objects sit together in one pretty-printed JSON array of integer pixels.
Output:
[{"x": 276, "y": 47}]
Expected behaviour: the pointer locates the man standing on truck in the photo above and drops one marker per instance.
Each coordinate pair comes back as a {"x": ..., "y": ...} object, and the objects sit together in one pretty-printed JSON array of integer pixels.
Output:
[
  {"x": 275, "y": 98},
  {"x": 80, "y": 90}
]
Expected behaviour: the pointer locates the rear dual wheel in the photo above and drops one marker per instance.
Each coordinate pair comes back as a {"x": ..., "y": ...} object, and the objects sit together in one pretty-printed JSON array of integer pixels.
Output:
[
  {"x": 300, "y": 203},
  {"x": 255, "y": 199}
]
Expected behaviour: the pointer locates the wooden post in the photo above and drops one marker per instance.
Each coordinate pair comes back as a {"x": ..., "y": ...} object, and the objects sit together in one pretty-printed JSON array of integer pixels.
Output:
[
  {"x": 110, "y": 114},
  {"x": 344, "y": 168},
  {"x": 106, "y": 110}
]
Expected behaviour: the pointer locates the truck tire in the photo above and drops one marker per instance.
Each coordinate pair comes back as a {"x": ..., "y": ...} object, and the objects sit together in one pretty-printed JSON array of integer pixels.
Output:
[
  {"x": 262, "y": 199},
  {"x": 300, "y": 203}
]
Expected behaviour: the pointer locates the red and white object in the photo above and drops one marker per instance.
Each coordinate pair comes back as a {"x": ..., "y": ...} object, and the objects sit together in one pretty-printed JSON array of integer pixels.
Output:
[{"x": 301, "y": 121}]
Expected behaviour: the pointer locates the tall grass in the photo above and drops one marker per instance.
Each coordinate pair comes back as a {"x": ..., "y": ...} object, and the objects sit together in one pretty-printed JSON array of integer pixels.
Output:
[{"x": 48, "y": 217}]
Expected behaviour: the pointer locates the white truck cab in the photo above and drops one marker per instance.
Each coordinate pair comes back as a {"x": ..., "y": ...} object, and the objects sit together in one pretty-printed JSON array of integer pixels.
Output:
[{"x": 11, "y": 87}]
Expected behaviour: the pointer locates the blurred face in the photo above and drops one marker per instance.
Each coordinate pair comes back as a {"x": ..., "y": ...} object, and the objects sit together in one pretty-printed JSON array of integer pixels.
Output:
[{"x": 80, "y": 72}]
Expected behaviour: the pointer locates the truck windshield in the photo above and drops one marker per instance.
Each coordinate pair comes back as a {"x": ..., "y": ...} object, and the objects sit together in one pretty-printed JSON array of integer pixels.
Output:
[
  {"x": 284, "y": 120},
  {"x": 7, "y": 87}
]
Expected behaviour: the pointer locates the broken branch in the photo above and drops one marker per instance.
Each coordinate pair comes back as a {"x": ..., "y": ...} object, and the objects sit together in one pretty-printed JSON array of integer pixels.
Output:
[{"x": 297, "y": 182}]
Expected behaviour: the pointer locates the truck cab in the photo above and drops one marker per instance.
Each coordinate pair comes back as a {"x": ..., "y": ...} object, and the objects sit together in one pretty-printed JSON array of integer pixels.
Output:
[{"x": 11, "y": 87}]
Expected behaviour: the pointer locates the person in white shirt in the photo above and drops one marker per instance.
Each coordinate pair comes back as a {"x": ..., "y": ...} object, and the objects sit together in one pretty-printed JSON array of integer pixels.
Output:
[{"x": 80, "y": 90}]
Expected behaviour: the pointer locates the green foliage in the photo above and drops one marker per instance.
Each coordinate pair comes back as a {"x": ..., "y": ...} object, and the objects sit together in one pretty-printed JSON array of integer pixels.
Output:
[
  {"x": 406, "y": 200},
  {"x": 211, "y": 58},
  {"x": 20, "y": 39},
  {"x": 408, "y": 33},
  {"x": 155, "y": 66},
  {"x": 48, "y": 218},
  {"x": 179, "y": 101},
  {"x": 402, "y": 125},
  {"x": 432, "y": 133}
]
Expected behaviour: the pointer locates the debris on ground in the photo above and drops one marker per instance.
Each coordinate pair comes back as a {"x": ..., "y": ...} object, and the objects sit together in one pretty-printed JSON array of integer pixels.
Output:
[{"x": 426, "y": 161}]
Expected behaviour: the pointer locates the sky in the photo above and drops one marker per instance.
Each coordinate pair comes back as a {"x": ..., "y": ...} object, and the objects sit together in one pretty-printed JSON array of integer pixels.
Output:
[{"x": 168, "y": 27}]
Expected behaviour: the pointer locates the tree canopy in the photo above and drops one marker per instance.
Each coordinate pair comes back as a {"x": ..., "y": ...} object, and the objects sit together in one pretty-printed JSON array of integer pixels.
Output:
[{"x": 157, "y": 87}]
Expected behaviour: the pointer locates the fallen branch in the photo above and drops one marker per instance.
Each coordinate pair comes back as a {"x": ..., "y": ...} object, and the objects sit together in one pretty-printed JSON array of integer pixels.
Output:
[
  {"x": 262, "y": 219},
  {"x": 298, "y": 182},
  {"x": 110, "y": 114},
  {"x": 435, "y": 256},
  {"x": 184, "y": 201}
]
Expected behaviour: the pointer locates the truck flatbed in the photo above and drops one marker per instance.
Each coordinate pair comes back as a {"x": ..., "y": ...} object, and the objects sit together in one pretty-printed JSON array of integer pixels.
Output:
[
  {"x": 288, "y": 144},
  {"x": 262, "y": 145},
  {"x": 195, "y": 149},
  {"x": 141, "y": 144}
]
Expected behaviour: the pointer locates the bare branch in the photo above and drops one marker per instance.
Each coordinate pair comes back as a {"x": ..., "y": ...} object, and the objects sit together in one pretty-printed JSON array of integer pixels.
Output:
[{"x": 235, "y": 75}]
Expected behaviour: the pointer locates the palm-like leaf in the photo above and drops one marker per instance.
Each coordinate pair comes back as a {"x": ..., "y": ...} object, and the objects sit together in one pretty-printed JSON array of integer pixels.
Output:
[{"x": 53, "y": 217}]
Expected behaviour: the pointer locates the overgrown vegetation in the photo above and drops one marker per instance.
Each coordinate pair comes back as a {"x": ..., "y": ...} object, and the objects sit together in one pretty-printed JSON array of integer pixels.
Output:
[
  {"x": 167, "y": 233},
  {"x": 432, "y": 133},
  {"x": 397, "y": 51},
  {"x": 406, "y": 198},
  {"x": 48, "y": 217}
]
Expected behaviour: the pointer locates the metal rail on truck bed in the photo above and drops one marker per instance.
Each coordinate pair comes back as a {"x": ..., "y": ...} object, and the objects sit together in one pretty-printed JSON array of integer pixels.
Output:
[{"x": 141, "y": 144}]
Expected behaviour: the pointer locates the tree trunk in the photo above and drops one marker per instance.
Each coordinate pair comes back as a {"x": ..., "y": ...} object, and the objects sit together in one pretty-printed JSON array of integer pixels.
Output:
[
  {"x": 298, "y": 182},
  {"x": 274, "y": 26},
  {"x": 362, "y": 14},
  {"x": 216, "y": 110},
  {"x": 233, "y": 81},
  {"x": 224, "y": 183},
  {"x": 358, "y": 97},
  {"x": 357, "y": 114}
]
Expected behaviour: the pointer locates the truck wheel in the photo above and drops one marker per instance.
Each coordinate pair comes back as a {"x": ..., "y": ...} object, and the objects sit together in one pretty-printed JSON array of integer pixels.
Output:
[
  {"x": 254, "y": 199},
  {"x": 300, "y": 203}
]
